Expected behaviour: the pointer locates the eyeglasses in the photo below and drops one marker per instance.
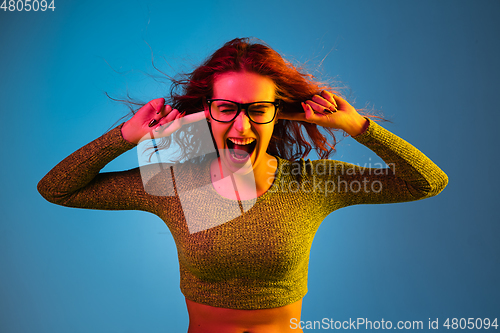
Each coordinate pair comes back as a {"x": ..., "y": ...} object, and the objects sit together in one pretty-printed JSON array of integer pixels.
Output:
[{"x": 226, "y": 111}]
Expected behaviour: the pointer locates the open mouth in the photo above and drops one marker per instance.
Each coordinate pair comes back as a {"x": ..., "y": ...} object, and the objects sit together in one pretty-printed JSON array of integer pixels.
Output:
[{"x": 241, "y": 149}]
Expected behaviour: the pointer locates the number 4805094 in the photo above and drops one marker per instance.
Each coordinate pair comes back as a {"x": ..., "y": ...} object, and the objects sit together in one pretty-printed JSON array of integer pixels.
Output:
[{"x": 27, "y": 5}]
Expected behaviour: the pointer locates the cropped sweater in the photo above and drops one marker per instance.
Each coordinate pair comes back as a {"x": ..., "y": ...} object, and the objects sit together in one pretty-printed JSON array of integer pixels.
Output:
[{"x": 256, "y": 254}]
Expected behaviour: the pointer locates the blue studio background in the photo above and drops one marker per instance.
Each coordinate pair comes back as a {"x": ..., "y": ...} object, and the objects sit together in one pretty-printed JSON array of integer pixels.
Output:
[{"x": 430, "y": 66}]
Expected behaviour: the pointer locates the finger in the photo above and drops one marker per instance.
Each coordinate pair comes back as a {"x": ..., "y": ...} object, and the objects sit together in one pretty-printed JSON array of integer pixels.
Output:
[
  {"x": 329, "y": 105},
  {"x": 321, "y": 101},
  {"x": 316, "y": 106},
  {"x": 194, "y": 117},
  {"x": 166, "y": 125},
  {"x": 152, "y": 123},
  {"x": 308, "y": 110},
  {"x": 190, "y": 118},
  {"x": 342, "y": 103},
  {"x": 172, "y": 115},
  {"x": 156, "y": 106},
  {"x": 159, "y": 119},
  {"x": 329, "y": 97},
  {"x": 175, "y": 120},
  {"x": 153, "y": 105},
  {"x": 166, "y": 110},
  {"x": 175, "y": 124},
  {"x": 168, "y": 117}
]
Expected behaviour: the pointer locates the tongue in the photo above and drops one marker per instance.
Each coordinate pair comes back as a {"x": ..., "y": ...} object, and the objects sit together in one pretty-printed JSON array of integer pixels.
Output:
[{"x": 241, "y": 149}]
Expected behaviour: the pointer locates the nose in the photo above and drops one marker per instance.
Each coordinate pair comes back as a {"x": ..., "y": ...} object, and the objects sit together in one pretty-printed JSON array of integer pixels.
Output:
[{"x": 242, "y": 122}]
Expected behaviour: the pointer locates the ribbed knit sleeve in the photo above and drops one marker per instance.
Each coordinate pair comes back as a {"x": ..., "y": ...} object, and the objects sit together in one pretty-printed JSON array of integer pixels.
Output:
[
  {"x": 423, "y": 177},
  {"x": 76, "y": 181},
  {"x": 410, "y": 174}
]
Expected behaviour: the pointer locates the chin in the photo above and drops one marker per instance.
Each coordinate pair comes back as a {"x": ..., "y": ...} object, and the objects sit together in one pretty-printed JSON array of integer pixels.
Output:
[{"x": 240, "y": 164}]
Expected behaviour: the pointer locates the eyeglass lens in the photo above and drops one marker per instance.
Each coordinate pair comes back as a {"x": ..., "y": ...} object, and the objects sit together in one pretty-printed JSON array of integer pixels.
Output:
[{"x": 262, "y": 112}]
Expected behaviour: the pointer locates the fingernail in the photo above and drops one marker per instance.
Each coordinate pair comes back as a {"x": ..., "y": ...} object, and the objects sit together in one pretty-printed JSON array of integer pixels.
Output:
[{"x": 152, "y": 123}]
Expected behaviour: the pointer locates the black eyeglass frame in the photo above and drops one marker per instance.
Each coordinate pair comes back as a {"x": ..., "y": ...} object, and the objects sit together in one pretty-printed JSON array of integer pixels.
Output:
[{"x": 242, "y": 106}]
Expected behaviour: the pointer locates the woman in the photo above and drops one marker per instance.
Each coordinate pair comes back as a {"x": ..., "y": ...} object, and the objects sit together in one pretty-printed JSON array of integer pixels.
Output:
[{"x": 243, "y": 242}]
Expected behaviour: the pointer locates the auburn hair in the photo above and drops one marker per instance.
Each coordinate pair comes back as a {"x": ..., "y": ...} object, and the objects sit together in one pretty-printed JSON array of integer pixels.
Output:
[{"x": 291, "y": 140}]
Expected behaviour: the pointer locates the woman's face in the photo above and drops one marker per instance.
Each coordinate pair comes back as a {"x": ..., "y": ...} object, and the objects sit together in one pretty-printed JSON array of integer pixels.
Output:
[{"x": 242, "y": 135}]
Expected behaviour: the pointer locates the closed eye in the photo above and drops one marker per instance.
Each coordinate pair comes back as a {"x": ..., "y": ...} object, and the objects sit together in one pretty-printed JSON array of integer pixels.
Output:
[{"x": 227, "y": 107}]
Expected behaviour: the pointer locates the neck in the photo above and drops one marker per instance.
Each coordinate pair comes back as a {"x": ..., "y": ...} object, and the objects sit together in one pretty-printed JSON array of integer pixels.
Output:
[{"x": 249, "y": 185}]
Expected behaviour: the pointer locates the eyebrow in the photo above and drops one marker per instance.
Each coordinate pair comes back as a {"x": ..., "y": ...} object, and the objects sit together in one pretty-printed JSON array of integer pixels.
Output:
[{"x": 223, "y": 103}]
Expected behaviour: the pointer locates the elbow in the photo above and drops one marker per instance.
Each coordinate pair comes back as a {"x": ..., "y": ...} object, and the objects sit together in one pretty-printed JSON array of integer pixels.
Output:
[
  {"x": 44, "y": 191},
  {"x": 429, "y": 187},
  {"x": 438, "y": 184},
  {"x": 48, "y": 193}
]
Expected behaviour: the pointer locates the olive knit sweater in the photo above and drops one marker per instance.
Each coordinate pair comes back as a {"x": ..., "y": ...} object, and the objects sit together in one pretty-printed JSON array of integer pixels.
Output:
[{"x": 258, "y": 258}]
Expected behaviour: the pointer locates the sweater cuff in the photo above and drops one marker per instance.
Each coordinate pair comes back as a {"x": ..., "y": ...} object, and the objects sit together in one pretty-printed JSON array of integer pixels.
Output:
[
  {"x": 115, "y": 135},
  {"x": 368, "y": 132}
]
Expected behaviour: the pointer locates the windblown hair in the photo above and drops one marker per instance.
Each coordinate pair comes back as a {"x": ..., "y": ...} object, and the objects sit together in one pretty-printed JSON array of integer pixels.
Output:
[{"x": 293, "y": 86}]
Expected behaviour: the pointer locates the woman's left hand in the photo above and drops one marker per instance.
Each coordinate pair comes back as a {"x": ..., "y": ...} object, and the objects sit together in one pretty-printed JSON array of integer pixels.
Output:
[{"x": 329, "y": 110}]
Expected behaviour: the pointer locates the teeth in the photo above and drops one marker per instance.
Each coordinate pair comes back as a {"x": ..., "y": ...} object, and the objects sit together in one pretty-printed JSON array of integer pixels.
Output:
[{"x": 240, "y": 142}]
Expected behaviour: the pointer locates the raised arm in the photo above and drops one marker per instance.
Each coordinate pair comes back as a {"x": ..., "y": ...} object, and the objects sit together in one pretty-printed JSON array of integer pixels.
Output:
[
  {"x": 77, "y": 182},
  {"x": 411, "y": 175}
]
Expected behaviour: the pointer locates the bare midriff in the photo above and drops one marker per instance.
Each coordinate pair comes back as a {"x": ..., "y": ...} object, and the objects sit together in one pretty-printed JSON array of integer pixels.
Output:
[{"x": 208, "y": 319}]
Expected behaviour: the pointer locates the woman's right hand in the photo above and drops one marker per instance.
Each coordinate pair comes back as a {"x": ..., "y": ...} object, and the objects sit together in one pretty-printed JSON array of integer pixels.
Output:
[{"x": 156, "y": 120}]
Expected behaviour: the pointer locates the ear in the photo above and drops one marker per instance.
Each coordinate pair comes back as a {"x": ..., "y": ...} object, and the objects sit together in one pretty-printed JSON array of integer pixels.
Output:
[
  {"x": 275, "y": 121},
  {"x": 205, "y": 108},
  {"x": 278, "y": 112}
]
